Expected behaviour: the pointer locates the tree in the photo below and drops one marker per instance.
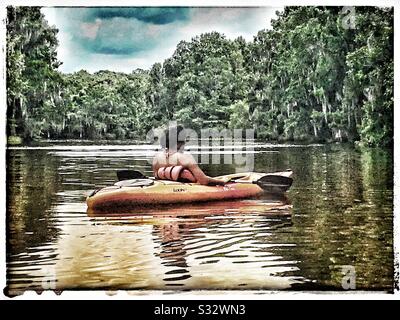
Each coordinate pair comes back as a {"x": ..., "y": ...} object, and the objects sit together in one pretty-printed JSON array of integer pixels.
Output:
[
  {"x": 307, "y": 77},
  {"x": 33, "y": 84}
]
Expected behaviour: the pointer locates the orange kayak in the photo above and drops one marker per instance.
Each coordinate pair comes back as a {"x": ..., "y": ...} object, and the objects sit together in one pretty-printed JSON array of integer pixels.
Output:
[{"x": 151, "y": 192}]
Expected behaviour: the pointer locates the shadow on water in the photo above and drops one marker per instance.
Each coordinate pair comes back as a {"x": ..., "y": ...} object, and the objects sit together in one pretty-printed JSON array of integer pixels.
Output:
[{"x": 339, "y": 213}]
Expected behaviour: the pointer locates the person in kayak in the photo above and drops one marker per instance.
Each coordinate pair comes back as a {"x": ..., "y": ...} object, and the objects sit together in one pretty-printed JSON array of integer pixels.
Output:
[{"x": 173, "y": 164}]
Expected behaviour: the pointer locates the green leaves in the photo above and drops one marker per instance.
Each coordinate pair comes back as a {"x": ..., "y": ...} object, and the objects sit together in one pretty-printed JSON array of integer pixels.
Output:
[
  {"x": 32, "y": 80},
  {"x": 316, "y": 73},
  {"x": 306, "y": 78},
  {"x": 370, "y": 76}
]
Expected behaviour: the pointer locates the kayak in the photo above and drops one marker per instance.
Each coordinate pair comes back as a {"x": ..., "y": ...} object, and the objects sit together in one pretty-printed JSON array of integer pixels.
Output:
[
  {"x": 268, "y": 204},
  {"x": 152, "y": 192}
]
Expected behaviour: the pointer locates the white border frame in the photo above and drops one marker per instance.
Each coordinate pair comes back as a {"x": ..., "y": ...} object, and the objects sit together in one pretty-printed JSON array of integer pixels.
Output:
[{"x": 199, "y": 295}]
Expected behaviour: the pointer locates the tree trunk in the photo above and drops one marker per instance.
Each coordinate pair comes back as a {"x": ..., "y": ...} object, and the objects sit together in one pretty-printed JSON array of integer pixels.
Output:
[
  {"x": 324, "y": 110},
  {"x": 338, "y": 135},
  {"x": 355, "y": 117},
  {"x": 349, "y": 114},
  {"x": 12, "y": 124}
]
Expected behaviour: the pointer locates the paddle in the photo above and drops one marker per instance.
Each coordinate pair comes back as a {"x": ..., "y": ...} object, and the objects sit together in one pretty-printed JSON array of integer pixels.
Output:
[
  {"x": 271, "y": 183},
  {"x": 130, "y": 174},
  {"x": 274, "y": 183}
]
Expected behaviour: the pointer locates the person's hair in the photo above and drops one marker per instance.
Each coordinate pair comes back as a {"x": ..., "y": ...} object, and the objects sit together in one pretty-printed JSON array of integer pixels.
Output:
[{"x": 173, "y": 136}]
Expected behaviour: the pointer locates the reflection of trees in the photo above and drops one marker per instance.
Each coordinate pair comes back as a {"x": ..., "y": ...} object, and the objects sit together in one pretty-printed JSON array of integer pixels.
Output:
[
  {"x": 31, "y": 187},
  {"x": 375, "y": 234},
  {"x": 342, "y": 215}
]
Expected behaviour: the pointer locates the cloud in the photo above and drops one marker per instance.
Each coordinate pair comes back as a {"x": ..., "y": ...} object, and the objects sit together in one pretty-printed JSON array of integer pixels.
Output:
[
  {"x": 118, "y": 36},
  {"x": 161, "y": 16},
  {"x": 120, "y": 31},
  {"x": 89, "y": 30},
  {"x": 123, "y": 39},
  {"x": 231, "y": 21}
]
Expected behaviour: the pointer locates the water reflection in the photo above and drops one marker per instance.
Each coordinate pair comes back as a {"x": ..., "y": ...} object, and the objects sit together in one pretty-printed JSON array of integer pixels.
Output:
[
  {"x": 339, "y": 213},
  {"x": 223, "y": 255}
]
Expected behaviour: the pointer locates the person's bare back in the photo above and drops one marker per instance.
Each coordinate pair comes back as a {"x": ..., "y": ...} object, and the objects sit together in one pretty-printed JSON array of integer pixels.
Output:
[{"x": 173, "y": 155}]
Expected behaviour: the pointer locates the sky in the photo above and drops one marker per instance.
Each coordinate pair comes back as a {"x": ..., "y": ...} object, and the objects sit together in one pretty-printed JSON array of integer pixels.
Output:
[{"x": 124, "y": 39}]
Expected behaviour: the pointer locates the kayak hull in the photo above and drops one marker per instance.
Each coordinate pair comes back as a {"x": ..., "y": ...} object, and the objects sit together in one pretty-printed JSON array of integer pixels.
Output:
[
  {"x": 266, "y": 204},
  {"x": 162, "y": 192}
]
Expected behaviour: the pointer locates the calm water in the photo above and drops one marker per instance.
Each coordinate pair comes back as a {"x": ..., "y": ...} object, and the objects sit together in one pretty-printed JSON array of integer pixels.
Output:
[{"x": 338, "y": 212}]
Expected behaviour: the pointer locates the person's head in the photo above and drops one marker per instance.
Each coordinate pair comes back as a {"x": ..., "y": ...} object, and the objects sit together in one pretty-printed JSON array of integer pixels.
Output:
[{"x": 174, "y": 138}]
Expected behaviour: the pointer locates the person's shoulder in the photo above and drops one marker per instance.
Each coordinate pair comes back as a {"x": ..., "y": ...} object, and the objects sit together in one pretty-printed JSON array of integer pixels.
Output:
[
  {"x": 159, "y": 158},
  {"x": 159, "y": 154},
  {"x": 186, "y": 158},
  {"x": 185, "y": 154}
]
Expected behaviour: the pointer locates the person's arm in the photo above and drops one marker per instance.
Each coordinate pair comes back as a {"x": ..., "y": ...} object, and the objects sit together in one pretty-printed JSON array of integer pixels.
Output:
[
  {"x": 155, "y": 166},
  {"x": 158, "y": 162},
  {"x": 189, "y": 162}
]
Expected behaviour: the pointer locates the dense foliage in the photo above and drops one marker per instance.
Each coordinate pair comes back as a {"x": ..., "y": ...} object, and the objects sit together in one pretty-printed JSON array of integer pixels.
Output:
[
  {"x": 308, "y": 77},
  {"x": 33, "y": 84}
]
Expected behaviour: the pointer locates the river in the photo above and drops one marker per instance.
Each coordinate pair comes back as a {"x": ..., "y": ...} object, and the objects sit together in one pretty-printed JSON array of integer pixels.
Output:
[{"x": 337, "y": 216}]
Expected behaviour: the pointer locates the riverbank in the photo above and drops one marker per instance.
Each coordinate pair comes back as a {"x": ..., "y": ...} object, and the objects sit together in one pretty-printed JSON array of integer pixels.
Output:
[{"x": 18, "y": 142}]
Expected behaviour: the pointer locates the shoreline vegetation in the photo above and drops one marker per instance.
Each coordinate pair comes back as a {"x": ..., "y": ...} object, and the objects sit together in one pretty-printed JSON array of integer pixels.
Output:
[{"x": 311, "y": 77}]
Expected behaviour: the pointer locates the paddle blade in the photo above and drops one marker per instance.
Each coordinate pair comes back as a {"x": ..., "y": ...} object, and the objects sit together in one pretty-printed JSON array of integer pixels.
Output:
[
  {"x": 275, "y": 183},
  {"x": 129, "y": 174}
]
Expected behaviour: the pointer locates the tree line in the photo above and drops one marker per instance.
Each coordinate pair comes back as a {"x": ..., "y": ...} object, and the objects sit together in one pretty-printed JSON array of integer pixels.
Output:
[{"x": 309, "y": 77}]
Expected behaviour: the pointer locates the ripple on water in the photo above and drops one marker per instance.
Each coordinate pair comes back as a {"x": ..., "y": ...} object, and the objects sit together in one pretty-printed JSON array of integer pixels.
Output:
[{"x": 341, "y": 214}]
